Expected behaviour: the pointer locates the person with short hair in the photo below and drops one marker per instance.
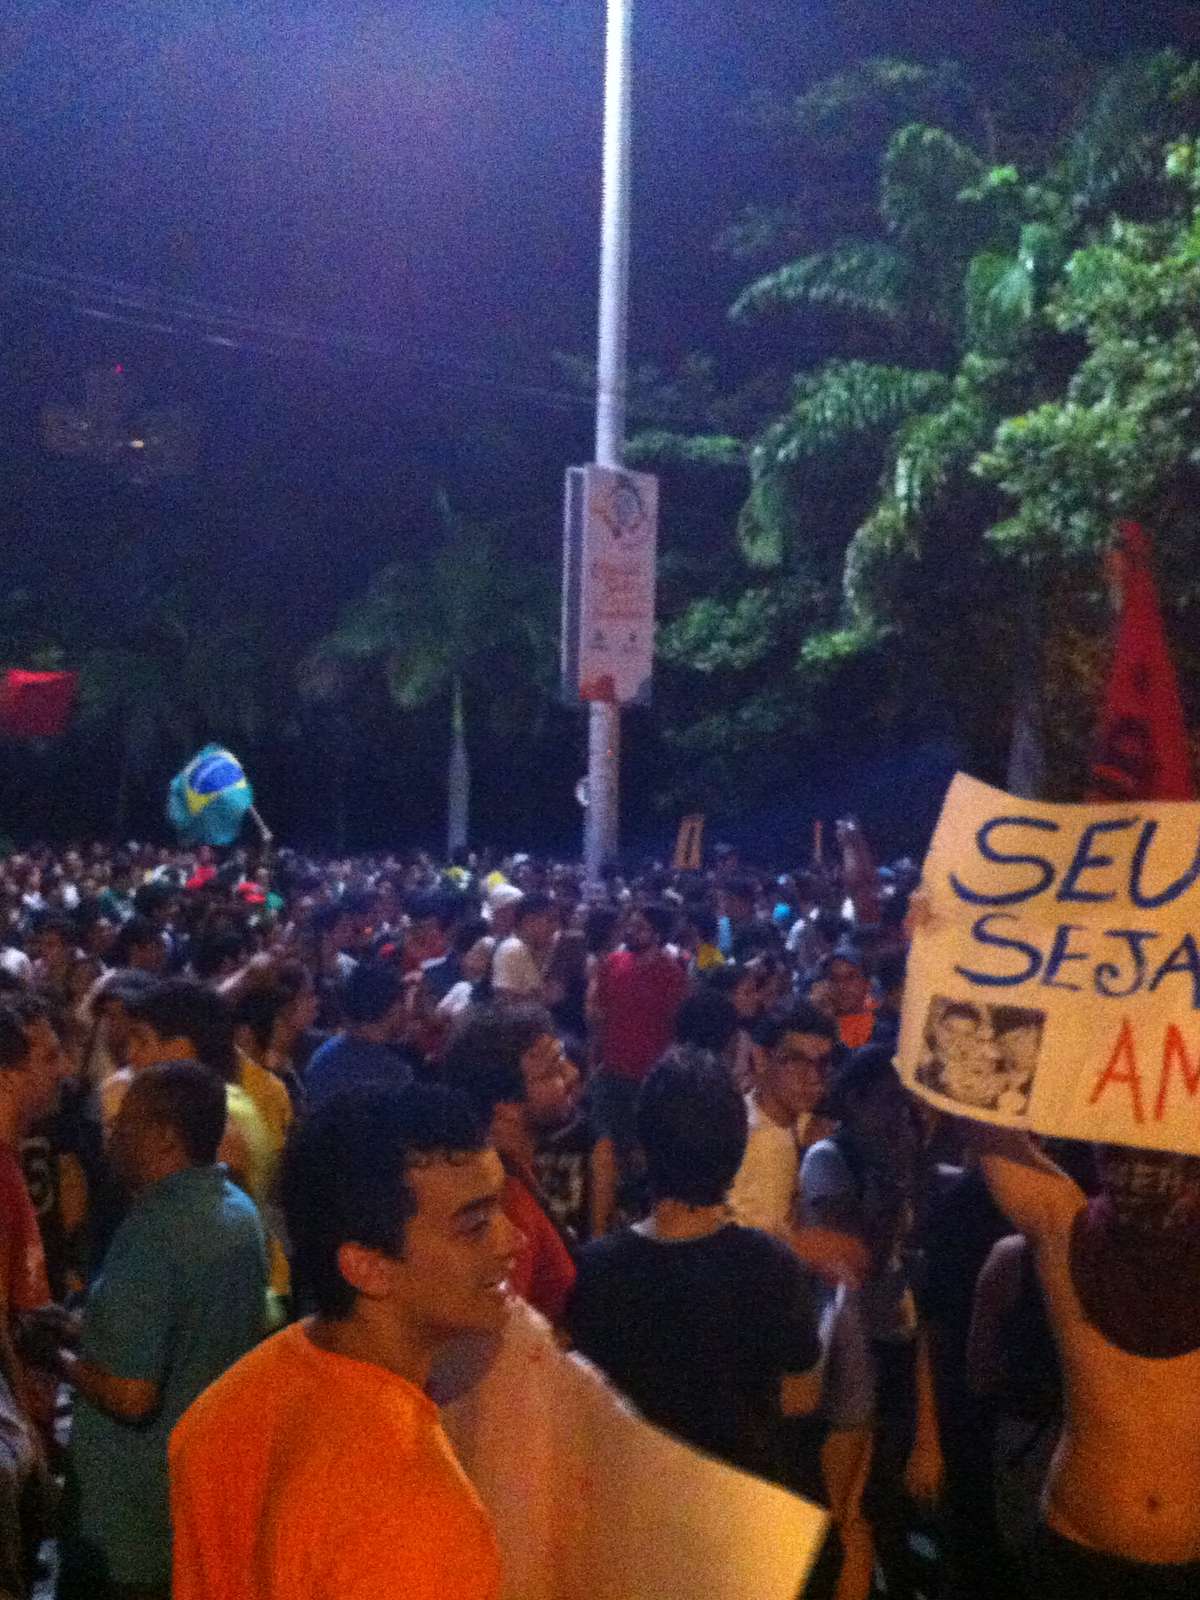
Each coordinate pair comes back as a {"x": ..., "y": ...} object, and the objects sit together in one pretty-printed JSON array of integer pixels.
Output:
[
  {"x": 791, "y": 1076},
  {"x": 738, "y": 898},
  {"x": 708, "y": 1326},
  {"x": 510, "y": 1065},
  {"x": 635, "y": 996},
  {"x": 180, "y": 1297},
  {"x": 346, "y": 1485},
  {"x": 373, "y": 1006},
  {"x": 180, "y": 1020},
  {"x": 844, "y": 990},
  {"x": 521, "y": 961},
  {"x": 139, "y": 946}
]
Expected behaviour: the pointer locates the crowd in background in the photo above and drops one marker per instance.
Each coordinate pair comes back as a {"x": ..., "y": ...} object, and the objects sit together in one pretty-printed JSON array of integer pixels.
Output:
[{"x": 716, "y": 1186}]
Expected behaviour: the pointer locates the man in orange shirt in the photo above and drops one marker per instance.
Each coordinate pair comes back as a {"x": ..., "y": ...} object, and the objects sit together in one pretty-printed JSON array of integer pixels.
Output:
[{"x": 316, "y": 1468}]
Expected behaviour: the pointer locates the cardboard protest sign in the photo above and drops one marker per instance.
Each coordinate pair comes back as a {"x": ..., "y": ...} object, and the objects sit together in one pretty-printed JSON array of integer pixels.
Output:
[
  {"x": 592, "y": 1503},
  {"x": 689, "y": 845},
  {"x": 1054, "y": 984}
]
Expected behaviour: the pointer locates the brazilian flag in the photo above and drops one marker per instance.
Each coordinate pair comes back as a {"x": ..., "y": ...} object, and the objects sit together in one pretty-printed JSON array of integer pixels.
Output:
[{"x": 208, "y": 799}]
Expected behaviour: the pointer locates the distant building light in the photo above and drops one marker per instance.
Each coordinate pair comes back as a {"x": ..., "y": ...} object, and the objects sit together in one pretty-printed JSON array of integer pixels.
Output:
[
  {"x": 137, "y": 444},
  {"x": 118, "y": 369}
]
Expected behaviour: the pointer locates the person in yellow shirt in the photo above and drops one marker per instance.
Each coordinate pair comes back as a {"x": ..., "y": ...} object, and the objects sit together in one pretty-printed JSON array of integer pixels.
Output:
[
  {"x": 344, "y": 1483},
  {"x": 179, "y": 1020}
]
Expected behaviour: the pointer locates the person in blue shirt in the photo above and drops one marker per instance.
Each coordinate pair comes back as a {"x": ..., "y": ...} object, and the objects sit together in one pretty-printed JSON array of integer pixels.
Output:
[
  {"x": 179, "y": 1299},
  {"x": 373, "y": 1002}
]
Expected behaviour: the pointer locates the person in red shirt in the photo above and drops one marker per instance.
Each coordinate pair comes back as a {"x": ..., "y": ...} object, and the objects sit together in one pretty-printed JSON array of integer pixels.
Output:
[
  {"x": 511, "y": 1066},
  {"x": 635, "y": 997}
]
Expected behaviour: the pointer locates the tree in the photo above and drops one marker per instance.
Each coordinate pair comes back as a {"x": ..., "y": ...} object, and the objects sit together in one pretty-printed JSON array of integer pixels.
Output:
[
  {"x": 1016, "y": 349},
  {"x": 464, "y": 628}
]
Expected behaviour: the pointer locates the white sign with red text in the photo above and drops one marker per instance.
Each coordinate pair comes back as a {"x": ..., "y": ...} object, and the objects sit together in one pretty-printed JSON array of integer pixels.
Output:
[{"x": 609, "y": 584}]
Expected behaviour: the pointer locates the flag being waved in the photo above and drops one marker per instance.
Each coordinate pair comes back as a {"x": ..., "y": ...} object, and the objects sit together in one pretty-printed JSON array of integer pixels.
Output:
[
  {"x": 1141, "y": 747},
  {"x": 36, "y": 705},
  {"x": 207, "y": 801}
]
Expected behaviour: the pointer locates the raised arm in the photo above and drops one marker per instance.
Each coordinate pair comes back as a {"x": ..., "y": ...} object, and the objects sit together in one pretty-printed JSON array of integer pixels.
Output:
[{"x": 1036, "y": 1196}]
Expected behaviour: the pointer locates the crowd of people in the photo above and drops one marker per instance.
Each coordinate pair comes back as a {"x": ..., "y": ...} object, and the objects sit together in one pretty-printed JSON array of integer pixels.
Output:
[{"x": 276, "y": 1132}]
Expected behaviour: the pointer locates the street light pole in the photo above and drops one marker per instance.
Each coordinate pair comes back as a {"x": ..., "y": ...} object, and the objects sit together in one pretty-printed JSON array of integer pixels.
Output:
[{"x": 602, "y": 817}]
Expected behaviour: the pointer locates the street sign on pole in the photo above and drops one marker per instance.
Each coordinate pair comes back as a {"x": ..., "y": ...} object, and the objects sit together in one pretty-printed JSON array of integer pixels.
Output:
[{"x": 609, "y": 567}]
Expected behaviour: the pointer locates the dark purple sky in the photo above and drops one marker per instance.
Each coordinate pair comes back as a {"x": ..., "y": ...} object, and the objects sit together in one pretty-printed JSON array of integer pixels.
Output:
[{"x": 425, "y": 169}]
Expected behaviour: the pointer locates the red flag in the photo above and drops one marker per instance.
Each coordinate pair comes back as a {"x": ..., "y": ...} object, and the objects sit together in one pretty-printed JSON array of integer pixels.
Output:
[
  {"x": 36, "y": 705},
  {"x": 1141, "y": 747}
]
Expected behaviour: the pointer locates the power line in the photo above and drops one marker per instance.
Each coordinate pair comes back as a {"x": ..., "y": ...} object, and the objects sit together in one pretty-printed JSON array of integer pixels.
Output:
[{"x": 183, "y": 317}]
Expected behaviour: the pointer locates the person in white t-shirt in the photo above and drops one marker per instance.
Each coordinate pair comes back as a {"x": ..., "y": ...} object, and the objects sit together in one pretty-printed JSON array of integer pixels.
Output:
[
  {"x": 790, "y": 1077},
  {"x": 521, "y": 961}
]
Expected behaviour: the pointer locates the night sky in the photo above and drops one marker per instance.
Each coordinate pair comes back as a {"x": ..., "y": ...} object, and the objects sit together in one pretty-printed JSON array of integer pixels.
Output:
[{"x": 411, "y": 188}]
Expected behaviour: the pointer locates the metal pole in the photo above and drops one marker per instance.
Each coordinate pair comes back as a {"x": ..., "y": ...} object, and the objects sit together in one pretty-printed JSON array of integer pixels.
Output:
[{"x": 601, "y": 819}]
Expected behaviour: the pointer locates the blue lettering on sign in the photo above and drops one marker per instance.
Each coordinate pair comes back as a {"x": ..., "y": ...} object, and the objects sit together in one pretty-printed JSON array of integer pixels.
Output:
[
  {"x": 1184, "y": 958},
  {"x": 1085, "y": 861},
  {"x": 983, "y": 842},
  {"x": 1149, "y": 902},
  {"x": 1137, "y": 939},
  {"x": 1060, "y": 954},
  {"x": 983, "y": 933}
]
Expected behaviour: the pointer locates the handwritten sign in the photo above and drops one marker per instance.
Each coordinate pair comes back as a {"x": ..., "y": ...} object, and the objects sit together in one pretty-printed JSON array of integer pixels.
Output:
[
  {"x": 592, "y": 1503},
  {"x": 1054, "y": 984}
]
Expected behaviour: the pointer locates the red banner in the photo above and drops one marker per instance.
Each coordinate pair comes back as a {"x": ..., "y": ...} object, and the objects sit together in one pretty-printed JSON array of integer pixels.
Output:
[
  {"x": 36, "y": 705},
  {"x": 1141, "y": 747}
]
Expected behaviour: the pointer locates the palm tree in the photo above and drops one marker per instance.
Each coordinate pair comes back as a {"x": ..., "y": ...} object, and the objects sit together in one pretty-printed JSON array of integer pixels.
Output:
[{"x": 464, "y": 626}]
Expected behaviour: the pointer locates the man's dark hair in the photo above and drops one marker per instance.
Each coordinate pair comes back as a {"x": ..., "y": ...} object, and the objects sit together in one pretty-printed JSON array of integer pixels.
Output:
[
  {"x": 152, "y": 897},
  {"x": 18, "y": 1013},
  {"x": 703, "y": 918},
  {"x": 181, "y": 1009},
  {"x": 468, "y": 934},
  {"x": 798, "y": 1018},
  {"x": 661, "y": 918},
  {"x": 346, "y": 1176},
  {"x": 434, "y": 903},
  {"x": 56, "y": 922},
  {"x": 187, "y": 1098},
  {"x": 741, "y": 888},
  {"x": 259, "y": 1008},
  {"x": 137, "y": 932},
  {"x": 600, "y": 925},
  {"x": 849, "y": 953},
  {"x": 371, "y": 991},
  {"x": 691, "y": 1124},
  {"x": 706, "y": 1019},
  {"x": 484, "y": 1059},
  {"x": 535, "y": 904},
  {"x": 223, "y": 944},
  {"x": 125, "y": 984},
  {"x": 725, "y": 978},
  {"x": 861, "y": 1072}
]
